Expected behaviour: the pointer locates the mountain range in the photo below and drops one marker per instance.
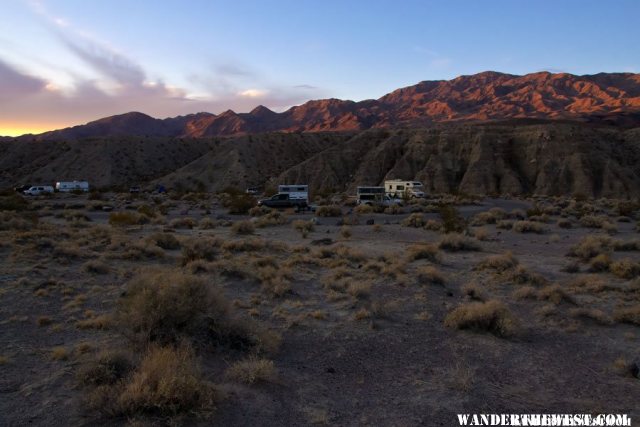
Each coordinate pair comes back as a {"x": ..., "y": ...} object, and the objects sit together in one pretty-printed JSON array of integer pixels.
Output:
[{"x": 610, "y": 98}]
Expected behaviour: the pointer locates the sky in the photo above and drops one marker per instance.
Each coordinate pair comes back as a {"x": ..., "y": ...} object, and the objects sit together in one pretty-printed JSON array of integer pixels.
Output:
[{"x": 67, "y": 62}]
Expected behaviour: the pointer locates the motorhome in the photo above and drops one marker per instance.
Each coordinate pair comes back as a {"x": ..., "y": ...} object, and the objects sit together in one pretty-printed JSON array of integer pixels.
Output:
[
  {"x": 295, "y": 195},
  {"x": 366, "y": 195},
  {"x": 37, "y": 190},
  {"x": 401, "y": 188},
  {"x": 69, "y": 186}
]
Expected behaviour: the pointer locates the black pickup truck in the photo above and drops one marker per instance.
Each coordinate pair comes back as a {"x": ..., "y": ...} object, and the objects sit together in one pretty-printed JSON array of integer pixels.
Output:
[{"x": 282, "y": 200}]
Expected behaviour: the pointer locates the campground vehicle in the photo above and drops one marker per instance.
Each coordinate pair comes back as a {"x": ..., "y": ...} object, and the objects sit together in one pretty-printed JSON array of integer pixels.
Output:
[
  {"x": 252, "y": 191},
  {"x": 401, "y": 188},
  {"x": 22, "y": 188},
  {"x": 37, "y": 190},
  {"x": 375, "y": 196},
  {"x": 134, "y": 189},
  {"x": 296, "y": 196},
  {"x": 69, "y": 186}
]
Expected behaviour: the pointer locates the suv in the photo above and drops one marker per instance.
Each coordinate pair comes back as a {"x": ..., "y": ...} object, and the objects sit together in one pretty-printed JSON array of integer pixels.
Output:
[{"x": 37, "y": 190}]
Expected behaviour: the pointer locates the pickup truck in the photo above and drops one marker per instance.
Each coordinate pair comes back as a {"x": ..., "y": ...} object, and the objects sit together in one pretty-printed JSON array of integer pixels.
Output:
[
  {"x": 385, "y": 201},
  {"x": 283, "y": 200}
]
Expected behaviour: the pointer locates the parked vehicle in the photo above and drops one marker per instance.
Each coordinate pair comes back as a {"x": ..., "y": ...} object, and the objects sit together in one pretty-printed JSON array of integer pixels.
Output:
[
  {"x": 22, "y": 188},
  {"x": 69, "y": 186},
  {"x": 134, "y": 189},
  {"x": 252, "y": 191},
  {"x": 37, "y": 190},
  {"x": 365, "y": 195},
  {"x": 288, "y": 196},
  {"x": 401, "y": 188}
]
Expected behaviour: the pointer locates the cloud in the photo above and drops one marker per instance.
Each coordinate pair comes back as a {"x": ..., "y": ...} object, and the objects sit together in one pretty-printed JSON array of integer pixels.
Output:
[{"x": 13, "y": 83}]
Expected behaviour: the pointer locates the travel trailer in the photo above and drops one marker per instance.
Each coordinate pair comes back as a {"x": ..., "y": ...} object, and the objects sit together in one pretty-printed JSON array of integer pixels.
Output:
[
  {"x": 69, "y": 186},
  {"x": 400, "y": 188},
  {"x": 366, "y": 195},
  {"x": 37, "y": 190},
  {"x": 295, "y": 195}
]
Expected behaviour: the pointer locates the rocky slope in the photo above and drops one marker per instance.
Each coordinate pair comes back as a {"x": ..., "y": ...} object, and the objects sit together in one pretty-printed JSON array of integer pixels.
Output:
[
  {"x": 540, "y": 158},
  {"x": 612, "y": 98}
]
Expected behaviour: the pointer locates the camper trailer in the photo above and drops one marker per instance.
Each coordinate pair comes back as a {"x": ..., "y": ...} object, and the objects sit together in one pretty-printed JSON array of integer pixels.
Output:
[
  {"x": 69, "y": 186},
  {"x": 400, "y": 188},
  {"x": 295, "y": 195}
]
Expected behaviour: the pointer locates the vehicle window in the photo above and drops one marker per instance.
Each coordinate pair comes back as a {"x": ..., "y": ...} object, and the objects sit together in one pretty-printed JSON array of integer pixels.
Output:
[
  {"x": 283, "y": 197},
  {"x": 400, "y": 187}
]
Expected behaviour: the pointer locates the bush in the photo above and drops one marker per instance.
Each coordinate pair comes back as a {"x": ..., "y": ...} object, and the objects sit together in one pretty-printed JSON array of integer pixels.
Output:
[
  {"x": 239, "y": 204},
  {"x": 345, "y": 232},
  {"x": 304, "y": 227},
  {"x": 528, "y": 227},
  {"x": 96, "y": 267},
  {"x": 165, "y": 240},
  {"x": 499, "y": 263},
  {"x": 393, "y": 210},
  {"x": 13, "y": 202},
  {"x": 329, "y": 211},
  {"x": 363, "y": 209},
  {"x": 451, "y": 219},
  {"x": 123, "y": 219},
  {"x": 564, "y": 223},
  {"x": 195, "y": 249},
  {"x": 423, "y": 251},
  {"x": 252, "y": 370},
  {"x": 108, "y": 368},
  {"x": 600, "y": 263},
  {"x": 491, "y": 316},
  {"x": 185, "y": 223},
  {"x": 625, "y": 268},
  {"x": 590, "y": 247},
  {"x": 243, "y": 227},
  {"x": 207, "y": 224},
  {"x": 457, "y": 242},
  {"x": 430, "y": 274},
  {"x": 414, "y": 220}
]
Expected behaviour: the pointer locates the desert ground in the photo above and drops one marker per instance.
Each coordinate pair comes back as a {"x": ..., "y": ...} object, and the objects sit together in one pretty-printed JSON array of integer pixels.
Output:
[{"x": 198, "y": 309}]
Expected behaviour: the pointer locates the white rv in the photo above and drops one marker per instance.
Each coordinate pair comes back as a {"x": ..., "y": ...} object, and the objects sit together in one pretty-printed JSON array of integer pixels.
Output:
[
  {"x": 366, "y": 195},
  {"x": 295, "y": 191},
  {"x": 37, "y": 190},
  {"x": 69, "y": 186},
  {"x": 400, "y": 188}
]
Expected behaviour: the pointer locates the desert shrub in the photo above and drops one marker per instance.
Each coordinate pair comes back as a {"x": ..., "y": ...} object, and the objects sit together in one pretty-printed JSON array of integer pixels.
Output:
[
  {"x": 123, "y": 219},
  {"x": 457, "y": 242},
  {"x": 591, "y": 314},
  {"x": 591, "y": 246},
  {"x": 528, "y": 227},
  {"x": 430, "y": 274},
  {"x": 481, "y": 233},
  {"x": 363, "y": 209},
  {"x": 498, "y": 263},
  {"x": 600, "y": 263},
  {"x": 274, "y": 217},
  {"x": 200, "y": 249},
  {"x": 423, "y": 251},
  {"x": 564, "y": 223},
  {"x": 393, "y": 210},
  {"x": 492, "y": 216},
  {"x": 108, "y": 367},
  {"x": 555, "y": 294},
  {"x": 473, "y": 291},
  {"x": 302, "y": 226},
  {"x": 168, "y": 382},
  {"x": 625, "y": 268},
  {"x": 96, "y": 267},
  {"x": 239, "y": 203},
  {"x": 451, "y": 219},
  {"x": 505, "y": 224},
  {"x": 593, "y": 221},
  {"x": 414, "y": 220},
  {"x": 329, "y": 211},
  {"x": 517, "y": 214},
  {"x": 252, "y": 370},
  {"x": 147, "y": 210},
  {"x": 184, "y": 223},
  {"x": 207, "y": 223},
  {"x": 630, "y": 245},
  {"x": 433, "y": 225},
  {"x": 630, "y": 314},
  {"x": 165, "y": 240},
  {"x": 491, "y": 316},
  {"x": 345, "y": 232},
  {"x": 627, "y": 208},
  {"x": 243, "y": 227},
  {"x": 521, "y": 276},
  {"x": 163, "y": 305},
  {"x": 13, "y": 202},
  {"x": 259, "y": 210}
]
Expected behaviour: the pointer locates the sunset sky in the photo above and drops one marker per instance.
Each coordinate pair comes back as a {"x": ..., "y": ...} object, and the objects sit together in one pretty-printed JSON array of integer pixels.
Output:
[{"x": 66, "y": 62}]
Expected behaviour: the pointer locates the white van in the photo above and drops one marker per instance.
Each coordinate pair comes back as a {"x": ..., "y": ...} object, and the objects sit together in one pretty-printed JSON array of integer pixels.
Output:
[
  {"x": 37, "y": 190},
  {"x": 400, "y": 188},
  {"x": 68, "y": 186}
]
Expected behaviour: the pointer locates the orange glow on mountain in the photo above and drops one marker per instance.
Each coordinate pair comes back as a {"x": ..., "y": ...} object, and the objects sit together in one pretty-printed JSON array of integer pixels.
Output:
[{"x": 9, "y": 129}]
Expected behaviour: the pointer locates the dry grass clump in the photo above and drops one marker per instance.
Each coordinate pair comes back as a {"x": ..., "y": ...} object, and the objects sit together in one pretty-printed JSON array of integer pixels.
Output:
[
  {"x": 498, "y": 263},
  {"x": 271, "y": 218},
  {"x": 165, "y": 240},
  {"x": 345, "y": 232},
  {"x": 252, "y": 370},
  {"x": 59, "y": 353},
  {"x": 101, "y": 322},
  {"x": 138, "y": 251},
  {"x": 452, "y": 221},
  {"x": 15, "y": 221},
  {"x": 600, "y": 263},
  {"x": 590, "y": 247},
  {"x": 492, "y": 216},
  {"x": 329, "y": 211},
  {"x": 163, "y": 305},
  {"x": 108, "y": 367},
  {"x": 473, "y": 291},
  {"x": 630, "y": 245},
  {"x": 490, "y": 316},
  {"x": 167, "y": 382},
  {"x": 207, "y": 223},
  {"x": 593, "y": 221},
  {"x": 239, "y": 203},
  {"x": 359, "y": 289},
  {"x": 528, "y": 227},
  {"x": 96, "y": 267},
  {"x": 303, "y": 227},
  {"x": 629, "y": 314},
  {"x": 243, "y": 227},
  {"x": 363, "y": 209},
  {"x": 430, "y": 274},
  {"x": 625, "y": 268},
  {"x": 481, "y": 234},
  {"x": 124, "y": 219},
  {"x": 184, "y": 223},
  {"x": 555, "y": 294},
  {"x": 433, "y": 225},
  {"x": 455, "y": 242},
  {"x": 564, "y": 223},
  {"x": 415, "y": 220},
  {"x": 505, "y": 224},
  {"x": 592, "y": 314},
  {"x": 393, "y": 210},
  {"x": 248, "y": 245},
  {"x": 426, "y": 251}
]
